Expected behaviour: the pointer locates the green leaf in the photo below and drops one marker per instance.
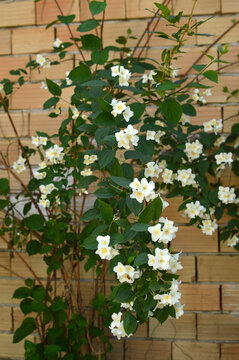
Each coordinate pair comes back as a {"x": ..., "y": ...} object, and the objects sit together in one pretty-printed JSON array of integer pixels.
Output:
[
  {"x": 198, "y": 85},
  {"x": 124, "y": 293},
  {"x": 105, "y": 211},
  {"x": 138, "y": 109},
  {"x": 211, "y": 75},
  {"x": 100, "y": 56},
  {"x": 39, "y": 293},
  {"x": 3, "y": 204},
  {"x": 161, "y": 315},
  {"x": 105, "y": 193},
  {"x": 88, "y": 25},
  {"x": 140, "y": 227},
  {"x": 90, "y": 243},
  {"x": 53, "y": 87},
  {"x": 22, "y": 293},
  {"x": 80, "y": 73},
  {"x": 152, "y": 211},
  {"x": 27, "y": 208},
  {"x": 235, "y": 130},
  {"x": 199, "y": 67},
  {"x": 90, "y": 215},
  {"x": 91, "y": 42},
  {"x": 213, "y": 197},
  {"x": 51, "y": 351},
  {"x": 203, "y": 166},
  {"x": 27, "y": 327},
  {"x": 165, "y": 10},
  {"x": 141, "y": 259},
  {"x": 50, "y": 102},
  {"x": 66, "y": 19},
  {"x": 96, "y": 7},
  {"x": 105, "y": 157},
  {"x": 105, "y": 119},
  {"x": 166, "y": 85},
  {"x": 206, "y": 138},
  {"x": 121, "y": 181},
  {"x": 130, "y": 323},
  {"x": 172, "y": 110},
  {"x": 33, "y": 247},
  {"x": 189, "y": 109},
  {"x": 4, "y": 186},
  {"x": 34, "y": 222}
]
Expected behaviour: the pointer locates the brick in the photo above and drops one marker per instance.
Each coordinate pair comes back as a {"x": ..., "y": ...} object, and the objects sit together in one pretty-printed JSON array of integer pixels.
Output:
[
  {"x": 218, "y": 327},
  {"x": 5, "y": 42},
  {"x": 12, "y": 63},
  {"x": 35, "y": 262},
  {"x": 114, "y": 10},
  {"x": 30, "y": 96},
  {"x": 227, "y": 249},
  {"x": 230, "y": 6},
  {"x": 117, "y": 352},
  {"x": 216, "y": 27},
  {"x": 41, "y": 122},
  {"x": 10, "y": 150},
  {"x": 8, "y": 349},
  {"x": 5, "y": 318},
  {"x": 231, "y": 56},
  {"x": 229, "y": 351},
  {"x": 195, "y": 351},
  {"x": 5, "y": 260},
  {"x": 17, "y": 13},
  {"x": 14, "y": 184},
  {"x": 230, "y": 297},
  {"x": 218, "y": 268},
  {"x": 55, "y": 72},
  {"x": 47, "y": 11},
  {"x": 193, "y": 240},
  {"x": 200, "y": 297},
  {"x": 232, "y": 113},
  {"x": 206, "y": 113},
  {"x": 32, "y": 40},
  {"x": 203, "y": 7},
  {"x": 182, "y": 328},
  {"x": 20, "y": 121},
  {"x": 187, "y": 274},
  {"x": 140, "y": 9},
  {"x": 8, "y": 286},
  {"x": 146, "y": 349},
  {"x": 218, "y": 96}
]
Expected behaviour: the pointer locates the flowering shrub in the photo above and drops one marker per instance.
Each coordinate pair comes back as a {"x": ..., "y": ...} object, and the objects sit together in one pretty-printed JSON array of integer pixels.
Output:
[{"x": 130, "y": 107}]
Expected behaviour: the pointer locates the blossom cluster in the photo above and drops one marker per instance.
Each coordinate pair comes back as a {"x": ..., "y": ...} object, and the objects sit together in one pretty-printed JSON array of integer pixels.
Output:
[
  {"x": 123, "y": 74},
  {"x": 40, "y": 174},
  {"x": 194, "y": 209},
  {"x": 39, "y": 140},
  {"x": 233, "y": 241},
  {"x": 45, "y": 190},
  {"x": 55, "y": 153},
  {"x": 152, "y": 169},
  {"x": 126, "y": 273},
  {"x": 193, "y": 150},
  {"x": 213, "y": 126},
  {"x": 224, "y": 158},
  {"x": 164, "y": 231},
  {"x": 89, "y": 159},
  {"x": 227, "y": 195},
  {"x": 117, "y": 327},
  {"x": 208, "y": 226},
  {"x": 19, "y": 165},
  {"x": 200, "y": 98},
  {"x": 119, "y": 107},
  {"x": 142, "y": 190},
  {"x": 42, "y": 61},
  {"x": 146, "y": 78},
  {"x": 104, "y": 250},
  {"x": 163, "y": 260},
  {"x": 126, "y": 137}
]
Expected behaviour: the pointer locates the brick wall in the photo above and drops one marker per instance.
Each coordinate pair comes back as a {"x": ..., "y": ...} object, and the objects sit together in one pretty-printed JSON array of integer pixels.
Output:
[{"x": 210, "y": 327}]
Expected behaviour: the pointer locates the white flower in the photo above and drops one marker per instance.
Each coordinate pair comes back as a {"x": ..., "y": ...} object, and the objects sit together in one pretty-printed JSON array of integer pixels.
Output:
[
  {"x": 1, "y": 88},
  {"x": 169, "y": 230},
  {"x": 150, "y": 135},
  {"x": 43, "y": 85},
  {"x": 220, "y": 140},
  {"x": 76, "y": 113},
  {"x": 185, "y": 119},
  {"x": 174, "y": 264},
  {"x": 68, "y": 80},
  {"x": 57, "y": 43},
  {"x": 224, "y": 158},
  {"x": 90, "y": 159},
  {"x": 127, "y": 136},
  {"x": 213, "y": 125},
  {"x": 86, "y": 172},
  {"x": 19, "y": 165},
  {"x": 207, "y": 92},
  {"x": 158, "y": 136},
  {"x": 208, "y": 226},
  {"x": 186, "y": 177},
  {"x": 179, "y": 310},
  {"x": 193, "y": 150},
  {"x": 117, "y": 327},
  {"x": 195, "y": 209},
  {"x": 55, "y": 154},
  {"x": 152, "y": 170},
  {"x": 145, "y": 79},
  {"x": 155, "y": 231},
  {"x": 233, "y": 241},
  {"x": 143, "y": 189},
  {"x": 226, "y": 195},
  {"x": 127, "y": 114},
  {"x": 42, "y": 61},
  {"x": 167, "y": 176},
  {"x": 115, "y": 70},
  {"x": 103, "y": 241},
  {"x": 161, "y": 259},
  {"x": 118, "y": 107}
]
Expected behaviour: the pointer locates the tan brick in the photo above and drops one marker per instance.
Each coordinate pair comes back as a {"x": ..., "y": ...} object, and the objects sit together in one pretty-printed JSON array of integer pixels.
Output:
[
  {"x": 230, "y": 297},
  {"x": 41, "y": 122},
  {"x": 33, "y": 40},
  {"x": 17, "y": 13},
  {"x": 218, "y": 268},
  {"x": 8, "y": 286},
  {"x": 231, "y": 56},
  {"x": 230, "y": 6},
  {"x": 35, "y": 262},
  {"x": 5, "y": 261},
  {"x": 14, "y": 184},
  {"x": 203, "y": 7},
  {"x": 10, "y": 150},
  {"x": 229, "y": 351},
  {"x": 8, "y": 349},
  {"x": 226, "y": 249},
  {"x": 5, "y": 42},
  {"x": 146, "y": 349},
  {"x": 62, "y": 33},
  {"x": 20, "y": 121},
  {"x": 140, "y": 9},
  {"x": 12, "y": 63},
  {"x": 55, "y": 72},
  {"x": 218, "y": 96},
  {"x": 47, "y": 11},
  {"x": 182, "y": 328},
  {"x": 206, "y": 113},
  {"x": 193, "y": 240},
  {"x": 114, "y": 10},
  {"x": 230, "y": 117},
  {"x": 200, "y": 297},
  {"x": 216, "y": 27},
  {"x": 187, "y": 274},
  {"x": 195, "y": 351},
  {"x": 5, "y": 318},
  {"x": 218, "y": 327},
  {"x": 117, "y": 352},
  {"x": 30, "y": 96}
]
